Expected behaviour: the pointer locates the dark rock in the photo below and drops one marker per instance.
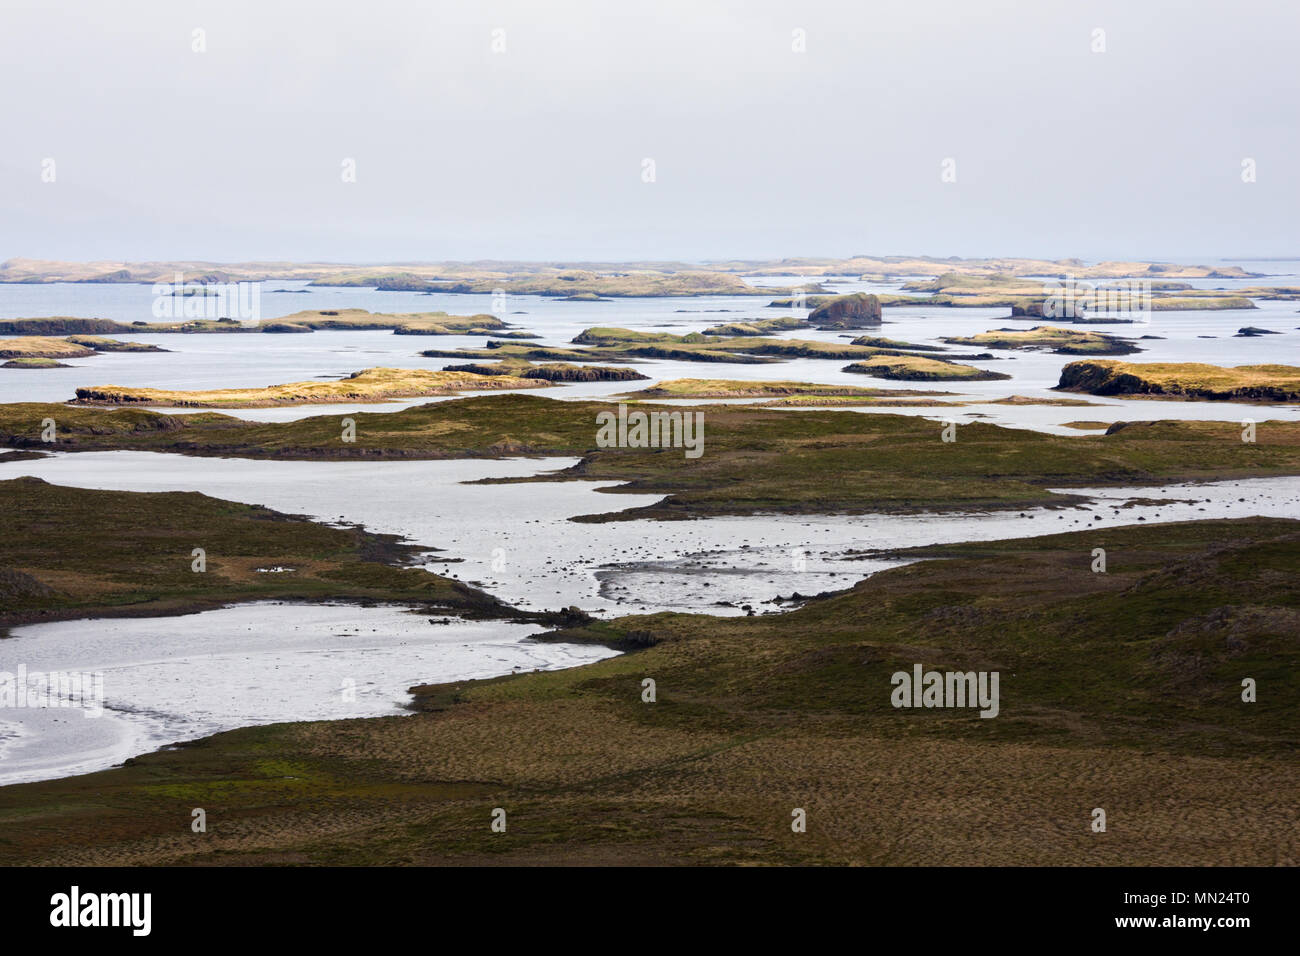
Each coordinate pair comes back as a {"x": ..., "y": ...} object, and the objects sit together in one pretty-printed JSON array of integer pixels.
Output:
[
  {"x": 855, "y": 311},
  {"x": 282, "y": 327}
]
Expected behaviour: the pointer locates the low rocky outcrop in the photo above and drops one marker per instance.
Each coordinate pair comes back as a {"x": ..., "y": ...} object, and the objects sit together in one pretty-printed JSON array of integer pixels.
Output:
[{"x": 857, "y": 310}]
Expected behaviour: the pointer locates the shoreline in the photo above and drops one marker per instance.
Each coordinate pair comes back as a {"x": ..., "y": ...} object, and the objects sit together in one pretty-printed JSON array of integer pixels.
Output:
[
  {"x": 899, "y": 462},
  {"x": 140, "y": 709}
]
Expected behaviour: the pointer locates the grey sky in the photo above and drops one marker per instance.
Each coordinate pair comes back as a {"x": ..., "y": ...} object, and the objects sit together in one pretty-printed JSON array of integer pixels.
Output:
[{"x": 759, "y": 151}]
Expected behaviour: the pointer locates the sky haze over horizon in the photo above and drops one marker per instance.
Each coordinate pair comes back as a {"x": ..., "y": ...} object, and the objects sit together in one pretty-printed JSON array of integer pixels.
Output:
[{"x": 516, "y": 130}]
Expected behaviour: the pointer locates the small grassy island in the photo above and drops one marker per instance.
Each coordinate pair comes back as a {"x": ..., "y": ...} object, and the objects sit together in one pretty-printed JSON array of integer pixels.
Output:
[
  {"x": 758, "y": 326},
  {"x": 42, "y": 351},
  {"x": 367, "y": 385},
  {"x": 42, "y": 347},
  {"x": 680, "y": 388},
  {"x": 1183, "y": 380},
  {"x": 1049, "y": 338},
  {"x": 917, "y": 368},
  {"x": 113, "y": 345},
  {"x": 551, "y": 371},
  {"x": 32, "y": 361}
]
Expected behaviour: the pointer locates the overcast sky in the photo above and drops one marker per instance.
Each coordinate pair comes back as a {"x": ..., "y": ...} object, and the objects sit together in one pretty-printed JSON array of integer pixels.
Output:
[{"x": 538, "y": 152}]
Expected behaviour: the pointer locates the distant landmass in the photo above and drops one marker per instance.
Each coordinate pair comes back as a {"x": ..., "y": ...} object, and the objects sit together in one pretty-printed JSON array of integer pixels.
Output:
[{"x": 591, "y": 279}]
